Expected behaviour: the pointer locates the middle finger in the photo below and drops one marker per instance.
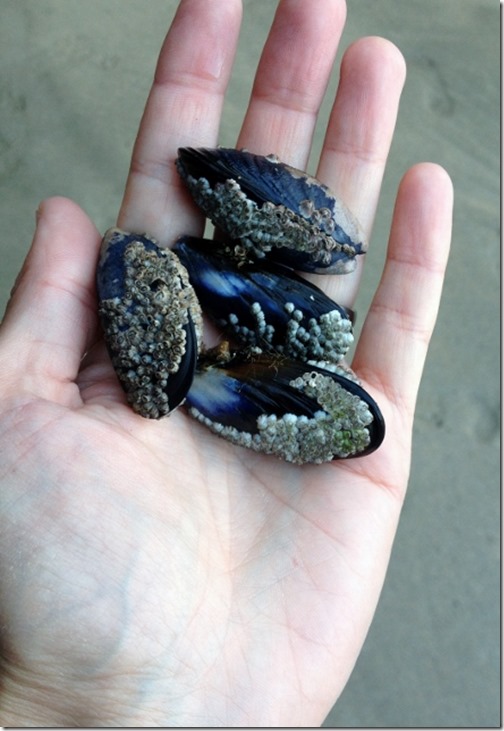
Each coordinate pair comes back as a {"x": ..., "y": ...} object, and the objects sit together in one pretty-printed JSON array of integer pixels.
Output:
[{"x": 291, "y": 79}]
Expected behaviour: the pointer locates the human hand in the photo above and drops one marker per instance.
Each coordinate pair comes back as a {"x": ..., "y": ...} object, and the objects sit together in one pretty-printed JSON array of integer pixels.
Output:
[{"x": 150, "y": 573}]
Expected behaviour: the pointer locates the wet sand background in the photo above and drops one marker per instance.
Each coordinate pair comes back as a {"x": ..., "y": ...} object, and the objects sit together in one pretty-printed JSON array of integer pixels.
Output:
[{"x": 74, "y": 80}]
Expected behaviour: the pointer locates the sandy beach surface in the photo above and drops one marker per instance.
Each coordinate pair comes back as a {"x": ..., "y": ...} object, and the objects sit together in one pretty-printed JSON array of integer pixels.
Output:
[{"x": 74, "y": 80}]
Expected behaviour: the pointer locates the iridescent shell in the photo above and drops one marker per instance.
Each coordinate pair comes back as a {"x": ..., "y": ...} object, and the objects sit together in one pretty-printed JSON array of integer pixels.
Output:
[
  {"x": 265, "y": 305},
  {"x": 151, "y": 321},
  {"x": 271, "y": 209},
  {"x": 301, "y": 413}
]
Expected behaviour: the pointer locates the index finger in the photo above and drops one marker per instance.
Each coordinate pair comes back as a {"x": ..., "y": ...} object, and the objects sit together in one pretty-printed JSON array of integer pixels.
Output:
[{"x": 183, "y": 108}]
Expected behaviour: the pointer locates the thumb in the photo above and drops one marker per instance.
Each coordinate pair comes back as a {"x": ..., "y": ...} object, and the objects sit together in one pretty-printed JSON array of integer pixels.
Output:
[{"x": 50, "y": 319}]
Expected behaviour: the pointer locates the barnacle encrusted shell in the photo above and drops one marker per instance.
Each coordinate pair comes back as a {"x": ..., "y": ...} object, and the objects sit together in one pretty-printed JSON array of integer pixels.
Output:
[
  {"x": 273, "y": 209},
  {"x": 265, "y": 305},
  {"x": 301, "y": 413},
  {"x": 151, "y": 321}
]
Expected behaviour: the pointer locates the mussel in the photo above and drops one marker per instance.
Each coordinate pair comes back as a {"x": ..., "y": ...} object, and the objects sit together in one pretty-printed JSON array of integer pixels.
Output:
[
  {"x": 268, "y": 208},
  {"x": 151, "y": 321},
  {"x": 265, "y": 305},
  {"x": 300, "y": 412}
]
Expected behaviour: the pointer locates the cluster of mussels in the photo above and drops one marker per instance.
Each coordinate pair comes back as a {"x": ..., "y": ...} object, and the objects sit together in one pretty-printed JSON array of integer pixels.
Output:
[{"x": 276, "y": 384}]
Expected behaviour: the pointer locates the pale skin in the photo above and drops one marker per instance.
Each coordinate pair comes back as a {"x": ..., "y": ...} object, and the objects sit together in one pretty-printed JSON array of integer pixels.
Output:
[{"x": 150, "y": 573}]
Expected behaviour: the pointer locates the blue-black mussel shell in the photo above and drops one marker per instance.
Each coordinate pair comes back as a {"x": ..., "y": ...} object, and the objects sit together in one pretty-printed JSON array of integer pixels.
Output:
[
  {"x": 150, "y": 319},
  {"x": 273, "y": 209},
  {"x": 299, "y": 412},
  {"x": 266, "y": 305}
]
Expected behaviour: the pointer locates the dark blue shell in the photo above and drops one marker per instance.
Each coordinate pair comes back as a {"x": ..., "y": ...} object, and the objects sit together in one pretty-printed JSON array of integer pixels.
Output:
[
  {"x": 273, "y": 209},
  {"x": 265, "y": 305},
  {"x": 152, "y": 333},
  {"x": 299, "y": 412}
]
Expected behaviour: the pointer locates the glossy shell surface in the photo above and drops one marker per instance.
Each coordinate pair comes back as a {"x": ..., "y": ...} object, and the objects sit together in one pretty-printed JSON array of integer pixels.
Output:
[{"x": 265, "y": 305}]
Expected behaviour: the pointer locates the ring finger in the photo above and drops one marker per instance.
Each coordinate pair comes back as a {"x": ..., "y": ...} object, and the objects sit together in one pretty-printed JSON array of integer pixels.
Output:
[{"x": 358, "y": 137}]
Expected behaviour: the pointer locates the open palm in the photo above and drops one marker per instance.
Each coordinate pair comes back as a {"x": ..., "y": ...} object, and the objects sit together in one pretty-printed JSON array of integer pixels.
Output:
[{"x": 151, "y": 573}]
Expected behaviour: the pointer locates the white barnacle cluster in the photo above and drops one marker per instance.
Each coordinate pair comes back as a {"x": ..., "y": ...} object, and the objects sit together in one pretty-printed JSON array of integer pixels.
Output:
[
  {"x": 348, "y": 415},
  {"x": 260, "y": 334},
  {"x": 279, "y": 227},
  {"x": 297, "y": 438},
  {"x": 225, "y": 204},
  {"x": 294, "y": 438},
  {"x": 236, "y": 436},
  {"x": 327, "y": 337}
]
